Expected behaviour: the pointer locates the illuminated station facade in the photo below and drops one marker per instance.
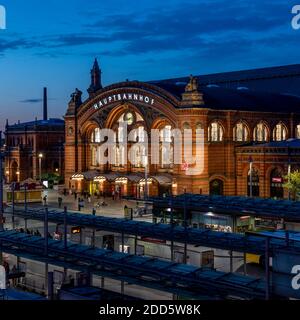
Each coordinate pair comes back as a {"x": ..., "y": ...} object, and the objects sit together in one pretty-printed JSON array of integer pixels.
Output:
[{"x": 245, "y": 131}]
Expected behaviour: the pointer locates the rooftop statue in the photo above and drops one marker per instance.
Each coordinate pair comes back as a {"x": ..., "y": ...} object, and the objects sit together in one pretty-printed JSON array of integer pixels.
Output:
[
  {"x": 192, "y": 85},
  {"x": 76, "y": 96}
]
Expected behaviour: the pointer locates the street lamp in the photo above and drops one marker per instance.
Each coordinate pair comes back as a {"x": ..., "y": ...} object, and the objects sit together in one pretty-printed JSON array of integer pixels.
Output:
[
  {"x": 251, "y": 176},
  {"x": 289, "y": 180},
  {"x": 40, "y": 166},
  {"x": 146, "y": 176},
  {"x": 18, "y": 175}
]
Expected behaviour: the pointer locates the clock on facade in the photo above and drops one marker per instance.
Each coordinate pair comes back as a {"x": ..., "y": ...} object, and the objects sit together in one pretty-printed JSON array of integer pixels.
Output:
[{"x": 129, "y": 118}]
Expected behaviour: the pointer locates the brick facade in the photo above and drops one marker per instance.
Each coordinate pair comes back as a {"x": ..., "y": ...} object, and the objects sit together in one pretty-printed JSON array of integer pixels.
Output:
[
  {"x": 226, "y": 163},
  {"x": 23, "y": 144}
]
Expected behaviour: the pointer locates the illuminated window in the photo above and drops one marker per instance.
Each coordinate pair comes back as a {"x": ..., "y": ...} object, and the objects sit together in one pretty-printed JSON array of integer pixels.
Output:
[
  {"x": 298, "y": 131},
  {"x": 279, "y": 132},
  {"x": 139, "y": 134},
  {"x": 140, "y": 156},
  {"x": 240, "y": 132},
  {"x": 260, "y": 133},
  {"x": 95, "y": 160},
  {"x": 167, "y": 156},
  {"x": 121, "y": 134},
  {"x": 199, "y": 126},
  {"x": 166, "y": 134},
  {"x": 186, "y": 126},
  {"x": 119, "y": 153},
  {"x": 215, "y": 132},
  {"x": 166, "y": 149},
  {"x": 96, "y": 136}
]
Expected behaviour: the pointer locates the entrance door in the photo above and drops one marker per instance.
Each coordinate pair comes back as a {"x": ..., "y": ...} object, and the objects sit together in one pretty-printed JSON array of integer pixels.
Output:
[
  {"x": 276, "y": 184},
  {"x": 216, "y": 187}
]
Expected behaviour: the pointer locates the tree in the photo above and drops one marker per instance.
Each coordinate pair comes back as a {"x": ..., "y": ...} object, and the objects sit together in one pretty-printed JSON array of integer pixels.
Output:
[{"x": 293, "y": 183}]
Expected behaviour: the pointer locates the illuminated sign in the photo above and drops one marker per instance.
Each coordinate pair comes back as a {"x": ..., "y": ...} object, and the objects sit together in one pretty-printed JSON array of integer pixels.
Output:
[
  {"x": 123, "y": 97},
  {"x": 185, "y": 166},
  {"x": 76, "y": 230},
  {"x": 152, "y": 240},
  {"x": 277, "y": 180}
]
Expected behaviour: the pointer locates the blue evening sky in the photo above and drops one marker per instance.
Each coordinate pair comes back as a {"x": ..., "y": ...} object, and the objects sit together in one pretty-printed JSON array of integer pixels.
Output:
[{"x": 53, "y": 43}]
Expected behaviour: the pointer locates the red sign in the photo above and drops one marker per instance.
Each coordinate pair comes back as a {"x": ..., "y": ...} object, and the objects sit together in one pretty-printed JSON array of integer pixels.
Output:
[
  {"x": 277, "y": 180},
  {"x": 185, "y": 166},
  {"x": 152, "y": 240}
]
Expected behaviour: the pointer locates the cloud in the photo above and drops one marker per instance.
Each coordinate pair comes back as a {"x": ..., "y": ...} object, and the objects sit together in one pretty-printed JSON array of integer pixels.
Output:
[
  {"x": 33, "y": 100},
  {"x": 189, "y": 26},
  {"x": 196, "y": 26},
  {"x": 19, "y": 43}
]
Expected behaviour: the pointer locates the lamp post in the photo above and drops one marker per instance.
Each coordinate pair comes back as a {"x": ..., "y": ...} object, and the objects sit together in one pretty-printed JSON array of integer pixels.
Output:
[
  {"x": 40, "y": 166},
  {"x": 18, "y": 175},
  {"x": 146, "y": 177},
  {"x": 251, "y": 177},
  {"x": 289, "y": 180}
]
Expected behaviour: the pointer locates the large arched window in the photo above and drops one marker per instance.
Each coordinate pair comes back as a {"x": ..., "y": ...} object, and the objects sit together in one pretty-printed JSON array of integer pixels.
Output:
[
  {"x": 96, "y": 136},
  {"x": 14, "y": 171},
  {"x": 139, "y": 134},
  {"x": 94, "y": 156},
  {"x": 260, "y": 133},
  {"x": 186, "y": 126},
  {"x": 240, "y": 132},
  {"x": 279, "y": 132},
  {"x": 166, "y": 134},
  {"x": 166, "y": 148},
  {"x": 119, "y": 156},
  {"x": 126, "y": 122},
  {"x": 215, "y": 132},
  {"x": 140, "y": 156}
]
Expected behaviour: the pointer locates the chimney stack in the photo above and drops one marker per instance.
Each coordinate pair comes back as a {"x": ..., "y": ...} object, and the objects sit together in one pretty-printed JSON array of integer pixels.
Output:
[{"x": 45, "y": 109}]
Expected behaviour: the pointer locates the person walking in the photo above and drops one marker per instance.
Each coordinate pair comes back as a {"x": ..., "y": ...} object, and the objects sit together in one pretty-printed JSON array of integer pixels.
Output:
[
  {"x": 45, "y": 200},
  {"x": 14, "y": 271},
  {"x": 60, "y": 201}
]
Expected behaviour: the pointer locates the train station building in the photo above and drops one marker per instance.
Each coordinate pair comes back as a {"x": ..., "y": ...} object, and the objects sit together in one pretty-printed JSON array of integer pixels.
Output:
[{"x": 249, "y": 119}]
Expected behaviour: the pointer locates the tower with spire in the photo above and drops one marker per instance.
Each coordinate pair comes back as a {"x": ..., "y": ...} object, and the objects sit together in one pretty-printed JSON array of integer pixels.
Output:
[{"x": 95, "y": 79}]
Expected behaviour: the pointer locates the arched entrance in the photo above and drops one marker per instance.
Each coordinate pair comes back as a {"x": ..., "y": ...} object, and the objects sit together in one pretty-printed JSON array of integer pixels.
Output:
[
  {"x": 254, "y": 184},
  {"x": 276, "y": 184},
  {"x": 14, "y": 171},
  {"x": 216, "y": 187}
]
